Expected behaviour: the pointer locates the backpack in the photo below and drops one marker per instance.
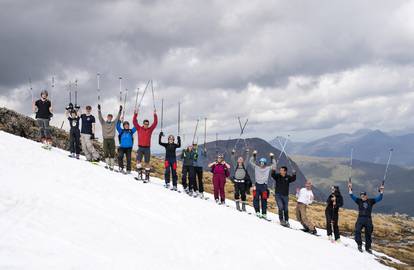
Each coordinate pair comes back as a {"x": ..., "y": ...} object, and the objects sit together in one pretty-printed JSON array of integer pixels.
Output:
[{"x": 125, "y": 130}]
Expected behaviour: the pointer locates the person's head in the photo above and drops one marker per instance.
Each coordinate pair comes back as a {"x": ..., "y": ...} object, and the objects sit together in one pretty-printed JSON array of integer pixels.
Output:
[
  {"x": 195, "y": 145},
  {"x": 190, "y": 148},
  {"x": 240, "y": 160},
  {"x": 220, "y": 158},
  {"x": 171, "y": 139},
  {"x": 334, "y": 189},
  {"x": 308, "y": 184},
  {"x": 126, "y": 125},
  {"x": 88, "y": 109},
  {"x": 262, "y": 162},
  {"x": 363, "y": 196},
  {"x": 73, "y": 114},
  {"x": 44, "y": 94},
  {"x": 145, "y": 123},
  {"x": 109, "y": 117},
  {"x": 283, "y": 171}
]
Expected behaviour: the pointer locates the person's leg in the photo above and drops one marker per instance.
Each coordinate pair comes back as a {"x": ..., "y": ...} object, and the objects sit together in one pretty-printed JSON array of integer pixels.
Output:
[
  {"x": 140, "y": 155},
  {"x": 72, "y": 141},
  {"x": 336, "y": 228},
  {"x": 77, "y": 143},
  {"x": 306, "y": 220},
  {"x": 285, "y": 202},
  {"x": 216, "y": 187},
  {"x": 243, "y": 198},
  {"x": 358, "y": 229},
  {"x": 192, "y": 176},
  {"x": 174, "y": 172},
  {"x": 369, "y": 228},
  {"x": 264, "y": 196},
  {"x": 184, "y": 177},
  {"x": 222, "y": 191},
  {"x": 200, "y": 179},
  {"x": 85, "y": 149},
  {"x": 256, "y": 198},
  {"x": 280, "y": 207},
  {"x": 298, "y": 217},
  {"x": 167, "y": 170},
  {"x": 147, "y": 157},
  {"x": 328, "y": 224},
  {"x": 42, "y": 135},
  {"x": 121, "y": 158},
  {"x": 47, "y": 129},
  {"x": 91, "y": 149},
  {"x": 128, "y": 158},
  {"x": 106, "y": 151},
  {"x": 237, "y": 195}
]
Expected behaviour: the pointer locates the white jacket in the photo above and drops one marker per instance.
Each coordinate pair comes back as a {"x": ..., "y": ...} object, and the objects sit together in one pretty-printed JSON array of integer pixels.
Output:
[{"x": 305, "y": 196}]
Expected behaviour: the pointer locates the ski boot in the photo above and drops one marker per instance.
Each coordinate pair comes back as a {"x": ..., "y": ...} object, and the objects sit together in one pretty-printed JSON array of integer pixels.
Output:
[
  {"x": 217, "y": 201},
  {"x": 195, "y": 194},
  {"x": 167, "y": 185},
  {"x": 201, "y": 195},
  {"x": 77, "y": 156},
  {"x": 258, "y": 215},
  {"x": 238, "y": 205},
  {"x": 287, "y": 224},
  {"x": 244, "y": 206},
  {"x": 107, "y": 163},
  {"x": 360, "y": 249},
  {"x": 71, "y": 155},
  {"x": 368, "y": 250},
  {"x": 147, "y": 175},
  {"x": 174, "y": 188}
]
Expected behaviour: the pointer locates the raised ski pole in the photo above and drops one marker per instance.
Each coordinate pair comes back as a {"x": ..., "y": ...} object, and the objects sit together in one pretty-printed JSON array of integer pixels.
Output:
[
  {"x": 120, "y": 90},
  {"x": 31, "y": 89},
  {"x": 284, "y": 151},
  {"x": 216, "y": 144},
  {"x": 143, "y": 94},
  {"x": 179, "y": 118},
  {"x": 53, "y": 84},
  {"x": 283, "y": 147},
  {"x": 386, "y": 167},
  {"x": 350, "y": 166},
  {"x": 205, "y": 132},
  {"x": 162, "y": 113},
  {"x": 195, "y": 131},
  {"x": 125, "y": 100},
  {"x": 76, "y": 93},
  {"x": 98, "y": 89},
  {"x": 153, "y": 98},
  {"x": 136, "y": 99}
]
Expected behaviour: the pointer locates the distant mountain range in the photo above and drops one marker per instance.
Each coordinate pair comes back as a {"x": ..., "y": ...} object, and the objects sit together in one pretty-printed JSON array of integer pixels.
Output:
[{"x": 369, "y": 145}]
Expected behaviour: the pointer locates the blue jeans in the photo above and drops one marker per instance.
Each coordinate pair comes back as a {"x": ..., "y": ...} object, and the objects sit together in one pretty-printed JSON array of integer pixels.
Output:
[
  {"x": 283, "y": 206},
  {"x": 260, "y": 197}
]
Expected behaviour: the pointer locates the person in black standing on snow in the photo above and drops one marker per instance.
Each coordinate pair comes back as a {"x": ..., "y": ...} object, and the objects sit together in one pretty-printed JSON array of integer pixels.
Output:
[
  {"x": 43, "y": 109},
  {"x": 282, "y": 182},
  {"x": 364, "y": 216},
  {"x": 334, "y": 202},
  {"x": 170, "y": 163},
  {"x": 88, "y": 135},
  {"x": 188, "y": 156},
  {"x": 240, "y": 179},
  {"x": 74, "y": 133}
]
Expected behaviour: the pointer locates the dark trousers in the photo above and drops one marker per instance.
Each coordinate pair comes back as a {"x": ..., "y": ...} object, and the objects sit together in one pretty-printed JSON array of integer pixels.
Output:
[
  {"x": 170, "y": 166},
  {"x": 198, "y": 175},
  {"x": 364, "y": 222},
  {"x": 332, "y": 222},
  {"x": 74, "y": 141},
  {"x": 44, "y": 128},
  {"x": 188, "y": 173},
  {"x": 282, "y": 206},
  {"x": 127, "y": 152},
  {"x": 260, "y": 197},
  {"x": 240, "y": 191}
]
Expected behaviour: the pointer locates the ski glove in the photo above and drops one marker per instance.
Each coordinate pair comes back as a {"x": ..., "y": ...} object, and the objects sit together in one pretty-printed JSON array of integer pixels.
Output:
[
  {"x": 92, "y": 136},
  {"x": 99, "y": 106}
]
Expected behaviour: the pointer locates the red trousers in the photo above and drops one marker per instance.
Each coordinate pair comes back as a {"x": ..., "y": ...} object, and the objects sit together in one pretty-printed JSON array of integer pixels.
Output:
[{"x": 219, "y": 181}]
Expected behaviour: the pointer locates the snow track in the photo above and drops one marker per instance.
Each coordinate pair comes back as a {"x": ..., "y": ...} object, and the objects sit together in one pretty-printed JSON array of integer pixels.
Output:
[{"x": 62, "y": 213}]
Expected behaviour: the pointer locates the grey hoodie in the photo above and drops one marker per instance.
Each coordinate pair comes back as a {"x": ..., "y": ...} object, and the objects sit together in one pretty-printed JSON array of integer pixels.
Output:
[
  {"x": 261, "y": 175},
  {"x": 108, "y": 128}
]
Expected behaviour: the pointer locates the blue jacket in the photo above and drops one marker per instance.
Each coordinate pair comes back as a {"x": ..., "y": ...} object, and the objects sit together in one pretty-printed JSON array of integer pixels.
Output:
[
  {"x": 201, "y": 157},
  {"x": 126, "y": 136},
  {"x": 365, "y": 207}
]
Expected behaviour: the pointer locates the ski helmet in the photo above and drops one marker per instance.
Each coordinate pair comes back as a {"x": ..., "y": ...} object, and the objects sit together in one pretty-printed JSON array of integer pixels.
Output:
[{"x": 263, "y": 160}]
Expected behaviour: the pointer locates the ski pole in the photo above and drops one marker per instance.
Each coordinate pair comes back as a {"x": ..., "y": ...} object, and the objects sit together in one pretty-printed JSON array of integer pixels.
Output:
[
  {"x": 179, "y": 117},
  {"x": 153, "y": 98},
  {"x": 350, "y": 166},
  {"x": 143, "y": 94},
  {"x": 162, "y": 113},
  {"x": 216, "y": 144},
  {"x": 283, "y": 147},
  {"x": 53, "y": 84},
  {"x": 31, "y": 89},
  {"x": 98, "y": 89},
  {"x": 120, "y": 90},
  {"x": 195, "y": 131},
  {"x": 76, "y": 93},
  {"x": 125, "y": 100},
  {"x": 205, "y": 132},
  {"x": 136, "y": 99},
  {"x": 388, "y": 164}
]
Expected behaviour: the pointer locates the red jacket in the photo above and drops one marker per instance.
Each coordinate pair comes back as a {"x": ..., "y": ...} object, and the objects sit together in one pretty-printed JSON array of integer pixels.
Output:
[{"x": 144, "y": 134}]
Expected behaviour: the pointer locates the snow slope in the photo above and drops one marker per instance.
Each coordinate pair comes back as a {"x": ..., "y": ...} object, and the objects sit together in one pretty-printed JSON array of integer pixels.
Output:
[{"x": 61, "y": 213}]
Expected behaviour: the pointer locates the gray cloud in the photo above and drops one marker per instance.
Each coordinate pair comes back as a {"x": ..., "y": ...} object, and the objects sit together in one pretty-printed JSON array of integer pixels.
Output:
[{"x": 287, "y": 65}]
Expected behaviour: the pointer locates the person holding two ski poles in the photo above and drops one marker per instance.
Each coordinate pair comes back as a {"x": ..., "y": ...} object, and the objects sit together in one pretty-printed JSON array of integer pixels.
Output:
[
  {"x": 144, "y": 142},
  {"x": 364, "y": 219},
  {"x": 44, "y": 111},
  {"x": 170, "y": 163},
  {"x": 261, "y": 178},
  {"x": 220, "y": 170},
  {"x": 241, "y": 179},
  {"x": 74, "y": 133},
  {"x": 126, "y": 142}
]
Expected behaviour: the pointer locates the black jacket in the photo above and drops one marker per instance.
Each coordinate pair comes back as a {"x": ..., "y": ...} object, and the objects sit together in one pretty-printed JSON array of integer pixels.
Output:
[
  {"x": 331, "y": 211},
  {"x": 282, "y": 183},
  {"x": 170, "y": 148}
]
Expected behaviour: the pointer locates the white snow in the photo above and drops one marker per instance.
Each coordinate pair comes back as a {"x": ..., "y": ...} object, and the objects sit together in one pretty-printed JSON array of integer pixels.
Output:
[{"x": 62, "y": 213}]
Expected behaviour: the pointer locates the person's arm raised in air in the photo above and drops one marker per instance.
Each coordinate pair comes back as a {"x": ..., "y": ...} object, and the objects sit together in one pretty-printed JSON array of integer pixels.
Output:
[{"x": 155, "y": 123}]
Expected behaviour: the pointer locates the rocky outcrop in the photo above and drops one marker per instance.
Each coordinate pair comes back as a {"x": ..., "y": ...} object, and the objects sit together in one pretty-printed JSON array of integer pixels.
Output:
[{"x": 24, "y": 126}]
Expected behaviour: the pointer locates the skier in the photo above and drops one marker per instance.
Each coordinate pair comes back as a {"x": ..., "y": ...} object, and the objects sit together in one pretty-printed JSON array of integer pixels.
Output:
[
  {"x": 220, "y": 170},
  {"x": 74, "y": 133},
  {"x": 88, "y": 134},
  {"x": 282, "y": 182},
  {"x": 364, "y": 216},
  {"x": 108, "y": 134},
  {"x": 43, "y": 109},
  {"x": 305, "y": 198},
  {"x": 261, "y": 175},
  {"x": 334, "y": 202},
  {"x": 144, "y": 142},
  {"x": 241, "y": 179},
  {"x": 201, "y": 154},
  {"x": 188, "y": 156},
  {"x": 170, "y": 163},
  {"x": 126, "y": 142}
]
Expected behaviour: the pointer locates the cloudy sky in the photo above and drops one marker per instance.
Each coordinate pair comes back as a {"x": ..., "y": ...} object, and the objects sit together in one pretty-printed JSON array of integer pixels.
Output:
[{"x": 304, "y": 68}]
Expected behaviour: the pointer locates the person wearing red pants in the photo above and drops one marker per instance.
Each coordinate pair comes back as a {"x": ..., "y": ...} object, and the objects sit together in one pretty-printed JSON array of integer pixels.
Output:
[{"x": 220, "y": 170}]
